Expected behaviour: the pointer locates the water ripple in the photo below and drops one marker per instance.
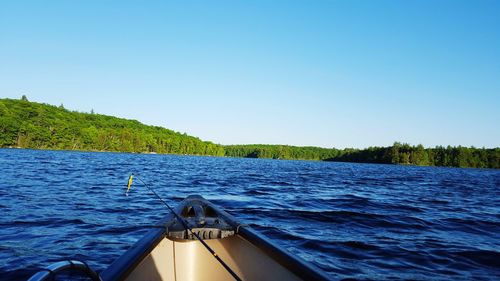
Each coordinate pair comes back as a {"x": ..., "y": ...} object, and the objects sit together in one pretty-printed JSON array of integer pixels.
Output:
[{"x": 354, "y": 221}]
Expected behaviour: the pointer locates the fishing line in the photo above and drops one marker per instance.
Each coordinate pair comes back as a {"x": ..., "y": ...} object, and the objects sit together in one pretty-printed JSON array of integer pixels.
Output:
[{"x": 185, "y": 225}]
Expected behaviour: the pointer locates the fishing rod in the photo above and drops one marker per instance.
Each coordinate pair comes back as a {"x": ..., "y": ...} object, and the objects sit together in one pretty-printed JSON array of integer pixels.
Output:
[{"x": 185, "y": 225}]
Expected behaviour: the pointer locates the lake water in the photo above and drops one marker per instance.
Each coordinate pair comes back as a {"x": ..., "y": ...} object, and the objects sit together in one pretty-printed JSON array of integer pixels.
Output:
[{"x": 351, "y": 220}]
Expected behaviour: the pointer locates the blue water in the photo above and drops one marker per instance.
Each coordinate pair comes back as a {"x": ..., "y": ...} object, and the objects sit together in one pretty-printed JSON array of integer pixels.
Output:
[{"x": 356, "y": 221}]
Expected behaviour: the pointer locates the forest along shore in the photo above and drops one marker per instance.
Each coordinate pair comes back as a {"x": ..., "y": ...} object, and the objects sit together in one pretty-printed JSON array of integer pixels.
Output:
[{"x": 26, "y": 124}]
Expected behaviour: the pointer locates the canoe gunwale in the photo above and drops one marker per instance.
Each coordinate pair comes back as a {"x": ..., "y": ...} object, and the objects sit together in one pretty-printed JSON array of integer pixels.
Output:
[
  {"x": 126, "y": 263},
  {"x": 299, "y": 267}
]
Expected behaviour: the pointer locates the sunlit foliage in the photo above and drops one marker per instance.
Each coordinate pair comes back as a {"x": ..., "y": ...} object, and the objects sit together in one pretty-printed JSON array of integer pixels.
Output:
[{"x": 33, "y": 125}]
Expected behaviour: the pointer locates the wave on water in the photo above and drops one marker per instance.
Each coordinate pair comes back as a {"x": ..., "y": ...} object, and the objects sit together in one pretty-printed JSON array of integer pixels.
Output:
[{"x": 354, "y": 221}]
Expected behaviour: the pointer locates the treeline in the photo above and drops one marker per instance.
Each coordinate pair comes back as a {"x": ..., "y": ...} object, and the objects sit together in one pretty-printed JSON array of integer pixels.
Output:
[
  {"x": 406, "y": 154},
  {"x": 280, "y": 152},
  {"x": 398, "y": 153},
  {"x": 33, "y": 125}
]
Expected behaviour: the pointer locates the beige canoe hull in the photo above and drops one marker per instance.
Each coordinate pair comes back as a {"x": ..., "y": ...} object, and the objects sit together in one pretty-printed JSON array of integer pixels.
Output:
[
  {"x": 169, "y": 252},
  {"x": 190, "y": 261}
]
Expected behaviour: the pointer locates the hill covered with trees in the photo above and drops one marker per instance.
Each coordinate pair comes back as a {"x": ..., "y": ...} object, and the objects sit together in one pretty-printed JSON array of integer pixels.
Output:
[{"x": 34, "y": 125}]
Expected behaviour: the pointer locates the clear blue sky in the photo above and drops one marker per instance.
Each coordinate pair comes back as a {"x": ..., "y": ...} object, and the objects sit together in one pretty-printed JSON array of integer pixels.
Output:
[{"x": 323, "y": 73}]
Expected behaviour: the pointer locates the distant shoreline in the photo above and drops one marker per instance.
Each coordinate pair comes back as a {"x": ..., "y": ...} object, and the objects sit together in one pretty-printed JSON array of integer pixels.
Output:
[
  {"x": 234, "y": 157},
  {"x": 25, "y": 124}
]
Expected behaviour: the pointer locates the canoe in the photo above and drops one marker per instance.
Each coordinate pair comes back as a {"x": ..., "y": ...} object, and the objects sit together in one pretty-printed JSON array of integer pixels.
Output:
[{"x": 170, "y": 252}]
